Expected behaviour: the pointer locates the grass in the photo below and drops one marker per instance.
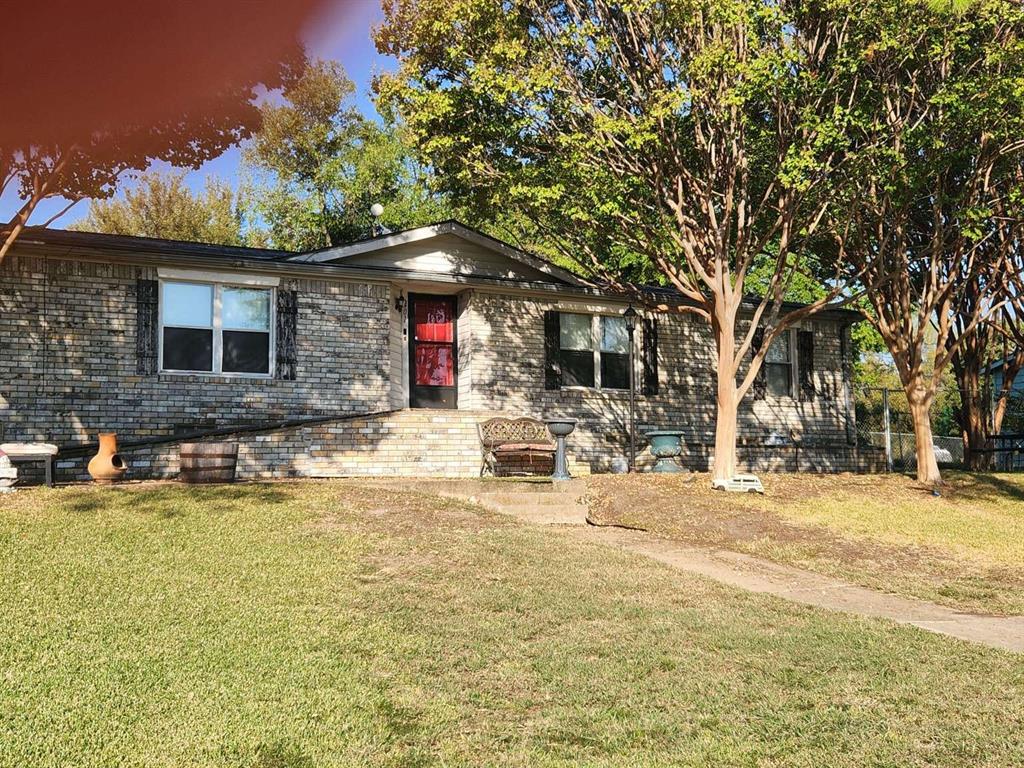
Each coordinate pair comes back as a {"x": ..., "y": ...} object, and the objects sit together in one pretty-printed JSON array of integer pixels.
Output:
[
  {"x": 327, "y": 624},
  {"x": 964, "y": 549}
]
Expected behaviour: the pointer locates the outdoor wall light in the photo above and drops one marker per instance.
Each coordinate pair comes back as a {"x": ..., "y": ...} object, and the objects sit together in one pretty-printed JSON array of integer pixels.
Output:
[
  {"x": 400, "y": 302},
  {"x": 630, "y": 316}
]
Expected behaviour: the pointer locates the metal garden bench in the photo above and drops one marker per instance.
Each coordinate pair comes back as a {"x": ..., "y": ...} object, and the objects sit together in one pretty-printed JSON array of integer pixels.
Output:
[{"x": 521, "y": 438}]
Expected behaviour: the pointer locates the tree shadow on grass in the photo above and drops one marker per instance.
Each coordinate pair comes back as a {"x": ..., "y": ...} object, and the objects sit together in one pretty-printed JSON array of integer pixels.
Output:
[
  {"x": 169, "y": 501},
  {"x": 985, "y": 487},
  {"x": 281, "y": 755}
]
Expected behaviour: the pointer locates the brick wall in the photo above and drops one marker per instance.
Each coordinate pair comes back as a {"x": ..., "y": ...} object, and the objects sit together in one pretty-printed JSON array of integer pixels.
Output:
[
  {"x": 508, "y": 373},
  {"x": 68, "y": 358},
  {"x": 68, "y": 371},
  {"x": 404, "y": 443}
]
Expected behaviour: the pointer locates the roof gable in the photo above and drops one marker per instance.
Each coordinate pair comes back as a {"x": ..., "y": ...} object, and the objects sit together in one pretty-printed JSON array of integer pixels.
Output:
[{"x": 445, "y": 248}]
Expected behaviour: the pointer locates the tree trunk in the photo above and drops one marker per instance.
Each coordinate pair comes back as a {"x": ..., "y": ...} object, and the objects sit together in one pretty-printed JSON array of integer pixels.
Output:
[
  {"x": 920, "y": 399},
  {"x": 976, "y": 456},
  {"x": 727, "y": 402},
  {"x": 725, "y": 427},
  {"x": 975, "y": 432},
  {"x": 973, "y": 414}
]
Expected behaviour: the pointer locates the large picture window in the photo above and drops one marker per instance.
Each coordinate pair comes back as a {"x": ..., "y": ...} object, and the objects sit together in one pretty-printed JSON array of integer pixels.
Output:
[
  {"x": 594, "y": 351},
  {"x": 214, "y": 328}
]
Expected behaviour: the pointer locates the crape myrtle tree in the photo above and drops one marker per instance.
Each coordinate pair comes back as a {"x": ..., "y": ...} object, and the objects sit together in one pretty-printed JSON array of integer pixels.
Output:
[
  {"x": 975, "y": 348},
  {"x": 689, "y": 135},
  {"x": 928, "y": 197},
  {"x": 87, "y": 95}
]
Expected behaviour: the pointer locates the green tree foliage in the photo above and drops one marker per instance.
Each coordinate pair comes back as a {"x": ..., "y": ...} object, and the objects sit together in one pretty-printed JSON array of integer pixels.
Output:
[
  {"x": 927, "y": 205},
  {"x": 669, "y": 137},
  {"x": 162, "y": 206},
  {"x": 90, "y": 94},
  {"x": 317, "y": 165}
]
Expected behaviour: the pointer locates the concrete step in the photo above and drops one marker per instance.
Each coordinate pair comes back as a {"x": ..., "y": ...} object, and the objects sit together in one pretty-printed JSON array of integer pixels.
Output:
[
  {"x": 540, "y": 514},
  {"x": 529, "y": 498}
]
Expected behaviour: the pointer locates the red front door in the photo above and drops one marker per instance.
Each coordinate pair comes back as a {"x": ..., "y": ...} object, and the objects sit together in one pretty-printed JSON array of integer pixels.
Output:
[{"x": 433, "y": 352}]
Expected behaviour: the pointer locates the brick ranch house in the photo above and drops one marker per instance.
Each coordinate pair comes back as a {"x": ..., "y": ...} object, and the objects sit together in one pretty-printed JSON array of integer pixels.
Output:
[{"x": 376, "y": 357}]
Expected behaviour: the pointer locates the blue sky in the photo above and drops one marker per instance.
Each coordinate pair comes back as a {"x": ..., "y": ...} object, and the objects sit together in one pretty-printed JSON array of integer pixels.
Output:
[{"x": 344, "y": 35}]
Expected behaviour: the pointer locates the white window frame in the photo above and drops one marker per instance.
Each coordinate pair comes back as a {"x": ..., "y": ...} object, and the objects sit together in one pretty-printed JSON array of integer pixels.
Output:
[
  {"x": 217, "y": 327},
  {"x": 595, "y": 347},
  {"x": 789, "y": 336}
]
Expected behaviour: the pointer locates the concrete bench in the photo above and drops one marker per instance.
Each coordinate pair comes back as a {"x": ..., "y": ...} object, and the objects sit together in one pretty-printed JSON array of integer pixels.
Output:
[
  {"x": 25, "y": 452},
  {"x": 520, "y": 438}
]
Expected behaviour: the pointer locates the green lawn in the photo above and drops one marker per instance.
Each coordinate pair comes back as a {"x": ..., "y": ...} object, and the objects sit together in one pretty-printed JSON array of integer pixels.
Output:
[
  {"x": 964, "y": 549},
  {"x": 327, "y": 624}
]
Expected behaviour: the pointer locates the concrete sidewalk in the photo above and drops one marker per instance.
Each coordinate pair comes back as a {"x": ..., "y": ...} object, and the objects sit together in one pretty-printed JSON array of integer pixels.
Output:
[
  {"x": 762, "y": 576},
  {"x": 561, "y": 507}
]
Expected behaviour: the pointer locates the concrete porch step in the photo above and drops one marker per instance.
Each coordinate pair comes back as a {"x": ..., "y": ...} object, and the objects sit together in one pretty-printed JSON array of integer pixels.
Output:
[{"x": 541, "y": 502}]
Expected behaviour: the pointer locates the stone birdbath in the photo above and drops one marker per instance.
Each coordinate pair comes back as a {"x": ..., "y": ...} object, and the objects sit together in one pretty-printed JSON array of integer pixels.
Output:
[
  {"x": 560, "y": 429},
  {"x": 667, "y": 446}
]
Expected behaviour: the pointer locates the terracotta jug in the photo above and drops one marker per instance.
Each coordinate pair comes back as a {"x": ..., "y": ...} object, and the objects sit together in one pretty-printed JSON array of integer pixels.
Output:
[{"x": 107, "y": 466}]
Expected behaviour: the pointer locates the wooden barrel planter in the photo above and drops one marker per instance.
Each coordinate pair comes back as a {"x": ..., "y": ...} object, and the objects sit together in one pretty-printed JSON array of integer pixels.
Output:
[{"x": 208, "y": 462}]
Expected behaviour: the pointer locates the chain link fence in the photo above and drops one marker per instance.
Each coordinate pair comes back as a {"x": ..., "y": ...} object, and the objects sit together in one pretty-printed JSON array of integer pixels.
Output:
[{"x": 884, "y": 423}]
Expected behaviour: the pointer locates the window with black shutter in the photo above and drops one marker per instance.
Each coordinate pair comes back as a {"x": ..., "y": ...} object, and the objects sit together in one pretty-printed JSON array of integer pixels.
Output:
[
  {"x": 215, "y": 328},
  {"x": 805, "y": 364},
  {"x": 585, "y": 350},
  {"x": 778, "y": 365},
  {"x": 650, "y": 356}
]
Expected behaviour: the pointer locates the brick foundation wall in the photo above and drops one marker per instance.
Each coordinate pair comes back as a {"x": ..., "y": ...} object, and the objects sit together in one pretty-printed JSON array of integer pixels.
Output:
[{"x": 403, "y": 443}]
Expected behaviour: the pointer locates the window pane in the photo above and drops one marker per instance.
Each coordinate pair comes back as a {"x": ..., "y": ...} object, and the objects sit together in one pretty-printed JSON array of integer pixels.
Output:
[
  {"x": 577, "y": 368},
  {"x": 188, "y": 349},
  {"x": 246, "y": 352},
  {"x": 614, "y": 336},
  {"x": 575, "y": 332},
  {"x": 778, "y": 351},
  {"x": 777, "y": 376},
  {"x": 188, "y": 304},
  {"x": 614, "y": 371},
  {"x": 435, "y": 365},
  {"x": 433, "y": 320},
  {"x": 245, "y": 309}
]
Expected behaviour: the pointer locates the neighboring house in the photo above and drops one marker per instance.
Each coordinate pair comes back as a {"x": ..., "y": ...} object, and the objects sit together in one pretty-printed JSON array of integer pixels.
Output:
[
  {"x": 378, "y": 357},
  {"x": 1017, "y": 388}
]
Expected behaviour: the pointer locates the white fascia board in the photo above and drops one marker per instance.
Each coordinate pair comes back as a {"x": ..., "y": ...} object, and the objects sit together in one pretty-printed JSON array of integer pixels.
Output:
[
  {"x": 206, "y": 276},
  {"x": 342, "y": 252}
]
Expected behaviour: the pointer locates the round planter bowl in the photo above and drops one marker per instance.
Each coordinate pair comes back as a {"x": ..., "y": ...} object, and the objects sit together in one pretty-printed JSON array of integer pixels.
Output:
[
  {"x": 561, "y": 427},
  {"x": 666, "y": 446}
]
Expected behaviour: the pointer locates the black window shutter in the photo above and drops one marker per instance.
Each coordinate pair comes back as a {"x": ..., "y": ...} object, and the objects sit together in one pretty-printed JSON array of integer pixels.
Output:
[
  {"x": 759, "y": 389},
  {"x": 287, "y": 321},
  {"x": 650, "y": 356},
  {"x": 805, "y": 363},
  {"x": 147, "y": 326},
  {"x": 552, "y": 342}
]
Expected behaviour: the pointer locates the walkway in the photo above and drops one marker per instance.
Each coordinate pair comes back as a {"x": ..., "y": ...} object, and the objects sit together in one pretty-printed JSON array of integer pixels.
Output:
[
  {"x": 560, "y": 506},
  {"x": 763, "y": 576}
]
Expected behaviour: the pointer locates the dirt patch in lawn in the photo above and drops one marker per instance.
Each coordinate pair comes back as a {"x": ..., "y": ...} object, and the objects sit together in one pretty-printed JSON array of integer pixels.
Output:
[
  {"x": 693, "y": 512},
  {"x": 782, "y": 526}
]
